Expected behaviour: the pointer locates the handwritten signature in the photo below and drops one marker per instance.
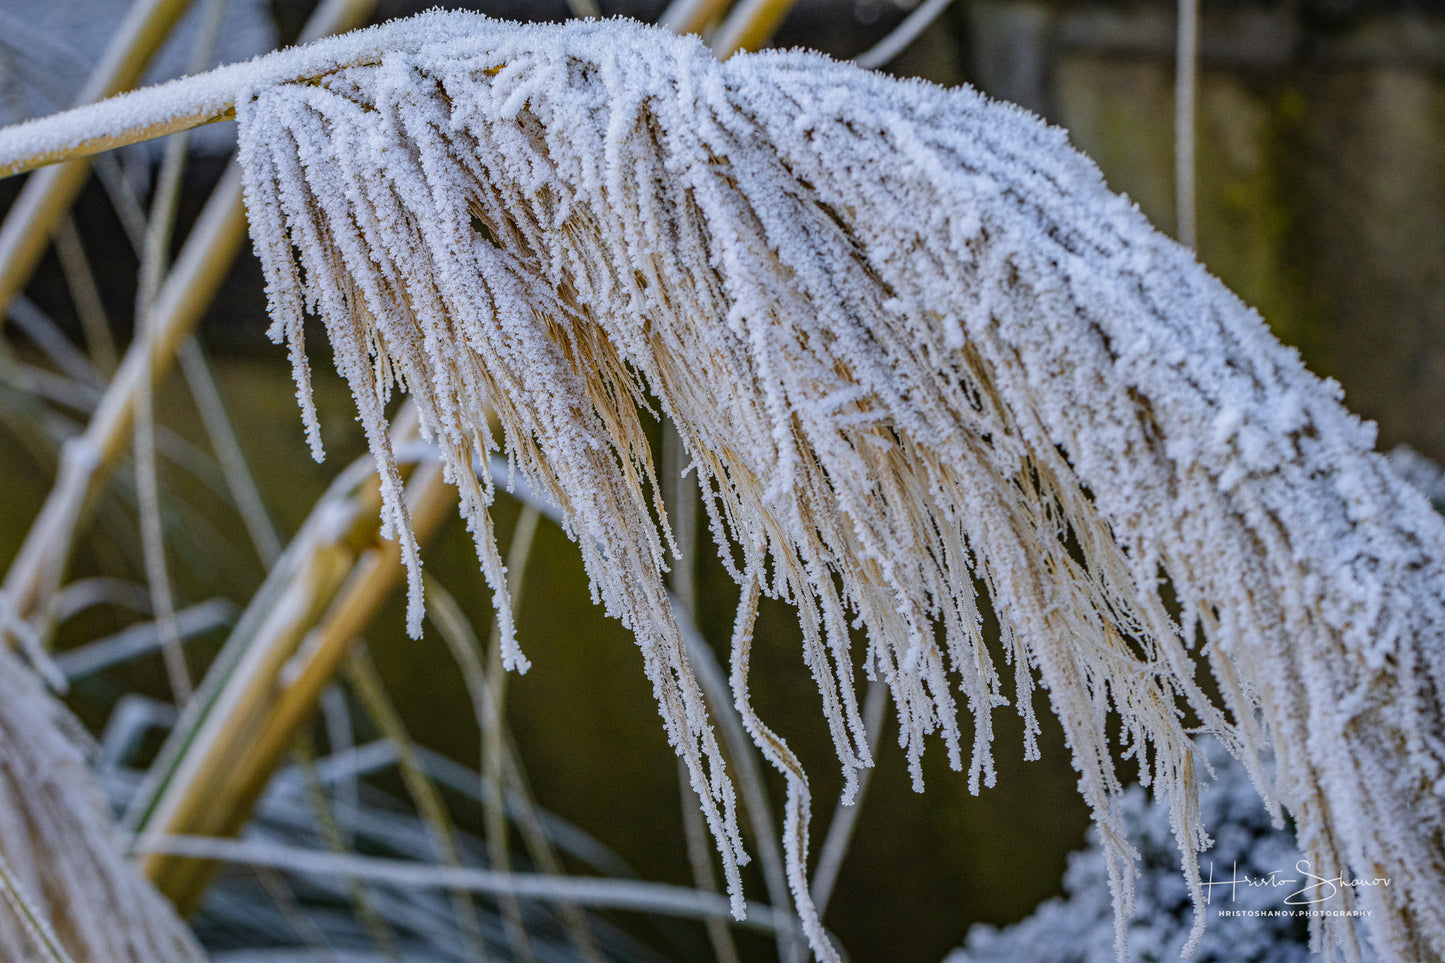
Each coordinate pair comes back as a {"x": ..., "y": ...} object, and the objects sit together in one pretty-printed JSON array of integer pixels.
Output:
[{"x": 1316, "y": 889}]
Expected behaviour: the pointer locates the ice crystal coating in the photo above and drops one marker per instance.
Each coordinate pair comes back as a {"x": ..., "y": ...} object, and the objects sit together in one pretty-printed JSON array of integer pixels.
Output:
[
  {"x": 61, "y": 849},
  {"x": 914, "y": 346},
  {"x": 1253, "y": 865}
]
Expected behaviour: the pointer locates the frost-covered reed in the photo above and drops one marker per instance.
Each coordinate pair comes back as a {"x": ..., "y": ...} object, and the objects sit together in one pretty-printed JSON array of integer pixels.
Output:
[
  {"x": 64, "y": 880},
  {"x": 916, "y": 349}
]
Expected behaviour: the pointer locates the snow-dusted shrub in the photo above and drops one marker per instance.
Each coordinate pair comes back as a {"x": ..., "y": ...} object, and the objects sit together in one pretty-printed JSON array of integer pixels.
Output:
[
  {"x": 913, "y": 344},
  {"x": 1260, "y": 925}
]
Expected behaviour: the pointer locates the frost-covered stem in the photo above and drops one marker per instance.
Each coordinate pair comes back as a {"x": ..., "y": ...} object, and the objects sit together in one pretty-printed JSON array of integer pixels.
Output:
[
  {"x": 207, "y": 98},
  {"x": 617, "y": 894},
  {"x": 70, "y": 154},
  {"x": 1186, "y": 82},
  {"x": 749, "y": 26},
  {"x": 36, "y": 213}
]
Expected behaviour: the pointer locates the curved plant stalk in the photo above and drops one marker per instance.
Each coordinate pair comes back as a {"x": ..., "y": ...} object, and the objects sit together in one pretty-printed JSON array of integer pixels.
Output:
[
  {"x": 239, "y": 479},
  {"x": 491, "y": 704},
  {"x": 583, "y": 9},
  {"x": 44, "y": 201},
  {"x": 917, "y": 21},
  {"x": 337, "y": 842},
  {"x": 285, "y": 650},
  {"x": 466, "y": 650},
  {"x": 699, "y": 857},
  {"x": 691, "y": 16},
  {"x": 494, "y": 740},
  {"x": 160, "y": 226},
  {"x": 749, "y": 26},
  {"x": 845, "y": 815},
  {"x": 796, "y": 812},
  {"x": 210, "y": 248},
  {"x": 680, "y": 497},
  {"x": 618, "y": 894},
  {"x": 743, "y": 754},
  {"x": 57, "y": 347},
  {"x": 84, "y": 291}
]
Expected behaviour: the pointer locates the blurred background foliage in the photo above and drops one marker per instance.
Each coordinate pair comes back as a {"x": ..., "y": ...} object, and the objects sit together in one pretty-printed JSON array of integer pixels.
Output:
[{"x": 1321, "y": 201}]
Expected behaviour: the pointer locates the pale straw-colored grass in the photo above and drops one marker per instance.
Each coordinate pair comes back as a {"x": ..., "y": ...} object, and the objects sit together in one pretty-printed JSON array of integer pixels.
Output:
[
  {"x": 912, "y": 345},
  {"x": 909, "y": 340}
]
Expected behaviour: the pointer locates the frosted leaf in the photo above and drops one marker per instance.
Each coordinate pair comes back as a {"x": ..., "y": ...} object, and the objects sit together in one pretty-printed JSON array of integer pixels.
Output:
[{"x": 912, "y": 344}]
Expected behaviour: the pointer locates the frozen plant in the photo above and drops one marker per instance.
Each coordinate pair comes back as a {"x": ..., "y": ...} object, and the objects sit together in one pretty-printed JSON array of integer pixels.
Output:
[
  {"x": 63, "y": 877},
  {"x": 913, "y": 345},
  {"x": 1261, "y": 926}
]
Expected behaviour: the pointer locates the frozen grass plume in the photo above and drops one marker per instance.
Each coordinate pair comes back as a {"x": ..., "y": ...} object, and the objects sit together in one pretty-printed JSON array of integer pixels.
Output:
[{"x": 914, "y": 346}]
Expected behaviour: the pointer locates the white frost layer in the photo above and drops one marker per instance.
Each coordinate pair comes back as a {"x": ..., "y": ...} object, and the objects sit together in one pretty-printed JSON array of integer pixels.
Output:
[
  {"x": 58, "y": 840},
  {"x": 913, "y": 345}
]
